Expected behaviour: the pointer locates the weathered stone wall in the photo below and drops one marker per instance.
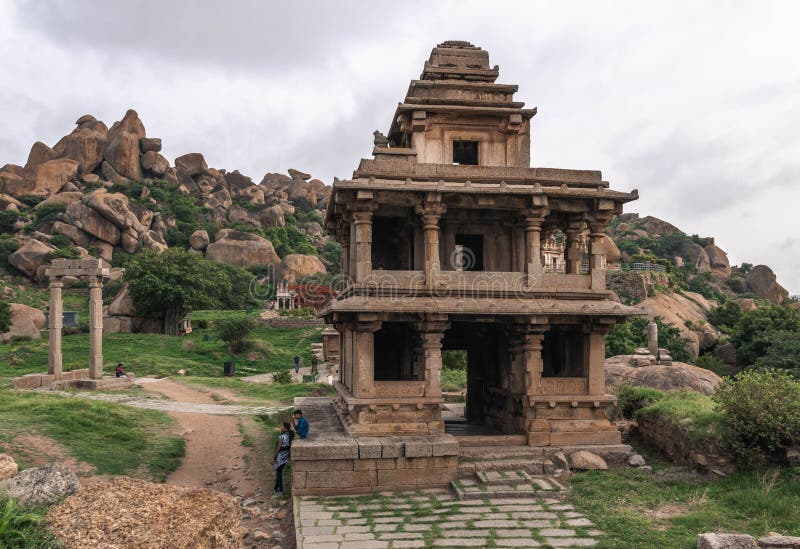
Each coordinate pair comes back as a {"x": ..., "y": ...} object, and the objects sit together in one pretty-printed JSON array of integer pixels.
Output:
[
  {"x": 627, "y": 285},
  {"x": 372, "y": 464},
  {"x": 703, "y": 454}
]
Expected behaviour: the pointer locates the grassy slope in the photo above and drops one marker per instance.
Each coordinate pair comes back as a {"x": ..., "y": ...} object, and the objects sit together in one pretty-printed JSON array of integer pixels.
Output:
[
  {"x": 161, "y": 355},
  {"x": 114, "y": 438},
  {"x": 669, "y": 508}
]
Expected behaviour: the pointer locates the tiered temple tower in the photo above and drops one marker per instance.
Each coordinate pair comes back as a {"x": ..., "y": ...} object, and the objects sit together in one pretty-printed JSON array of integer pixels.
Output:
[{"x": 442, "y": 234}]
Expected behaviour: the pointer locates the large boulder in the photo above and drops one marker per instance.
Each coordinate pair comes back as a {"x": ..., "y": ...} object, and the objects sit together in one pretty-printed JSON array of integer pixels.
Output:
[
  {"x": 48, "y": 177},
  {"x": 122, "y": 150},
  {"x": 41, "y": 486},
  {"x": 677, "y": 376},
  {"x": 77, "y": 236},
  {"x": 155, "y": 163},
  {"x": 656, "y": 226},
  {"x": 25, "y": 322},
  {"x": 122, "y": 305},
  {"x": 272, "y": 216},
  {"x": 8, "y": 467},
  {"x": 65, "y": 198},
  {"x": 86, "y": 144},
  {"x": 610, "y": 249},
  {"x": 126, "y": 512},
  {"x": 586, "y": 461},
  {"x": 695, "y": 254},
  {"x": 726, "y": 541},
  {"x": 242, "y": 249},
  {"x": 115, "y": 207},
  {"x": 294, "y": 268},
  {"x": 30, "y": 256},
  {"x": 191, "y": 164},
  {"x": 720, "y": 265},
  {"x": 91, "y": 221},
  {"x": 11, "y": 179},
  {"x": 763, "y": 282},
  {"x": 683, "y": 308},
  {"x": 238, "y": 214},
  {"x": 39, "y": 154},
  {"x": 199, "y": 240}
]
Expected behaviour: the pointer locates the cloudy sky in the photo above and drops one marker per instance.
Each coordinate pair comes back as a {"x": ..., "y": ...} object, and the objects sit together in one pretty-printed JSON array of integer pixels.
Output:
[{"x": 696, "y": 104}]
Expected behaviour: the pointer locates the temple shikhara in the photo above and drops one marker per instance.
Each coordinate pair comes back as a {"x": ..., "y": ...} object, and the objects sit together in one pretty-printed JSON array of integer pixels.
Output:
[{"x": 451, "y": 241}]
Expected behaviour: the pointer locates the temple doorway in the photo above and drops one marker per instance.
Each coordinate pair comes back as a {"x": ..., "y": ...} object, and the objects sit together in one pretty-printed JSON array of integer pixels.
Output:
[{"x": 479, "y": 348}]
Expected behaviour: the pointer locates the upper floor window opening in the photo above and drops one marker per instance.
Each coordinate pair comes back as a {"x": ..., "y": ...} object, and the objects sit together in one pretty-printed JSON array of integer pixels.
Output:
[{"x": 465, "y": 152}]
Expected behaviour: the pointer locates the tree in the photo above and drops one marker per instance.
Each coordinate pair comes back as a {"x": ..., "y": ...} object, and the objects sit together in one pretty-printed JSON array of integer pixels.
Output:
[
  {"x": 625, "y": 338},
  {"x": 783, "y": 353},
  {"x": 234, "y": 332},
  {"x": 753, "y": 333},
  {"x": 175, "y": 282},
  {"x": 725, "y": 316},
  {"x": 5, "y": 316}
]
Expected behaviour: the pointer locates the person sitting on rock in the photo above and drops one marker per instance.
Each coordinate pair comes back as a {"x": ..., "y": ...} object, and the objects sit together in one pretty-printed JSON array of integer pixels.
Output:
[
  {"x": 300, "y": 424},
  {"x": 282, "y": 451}
]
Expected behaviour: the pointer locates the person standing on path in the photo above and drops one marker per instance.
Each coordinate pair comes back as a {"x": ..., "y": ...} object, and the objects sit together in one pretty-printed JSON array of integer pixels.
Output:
[
  {"x": 282, "y": 452},
  {"x": 296, "y": 364}
]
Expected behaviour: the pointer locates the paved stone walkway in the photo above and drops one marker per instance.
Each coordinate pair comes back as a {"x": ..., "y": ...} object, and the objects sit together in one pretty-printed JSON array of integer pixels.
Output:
[
  {"x": 435, "y": 518},
  {"x": 172, "y": 406}
]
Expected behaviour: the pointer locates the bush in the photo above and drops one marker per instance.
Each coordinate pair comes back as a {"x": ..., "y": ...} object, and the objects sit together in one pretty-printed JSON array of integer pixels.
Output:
[
  {"x": 725, "y": 316},
  {"x": 783, "y": 354},
  {"x": 21, "y": 527},
  {"x": 48, "y": 213},
  {"x": 202, "y": 324},
  {"x": 284, "y": 377},
  {"x": 5, "y": 316},
  {"x": 454, "y": 360},
  {"x": 631, "y": 399},
  {"x": 709, "y": 362},
  {"x": 625, "y": 338},
  {"x": 7, "y": 220},
  {"x": 234, "y": 331},
  {"x": 761, "y": 412},
  {"x": 754, "y": 331},
  {"x": 454, "y": 380}
]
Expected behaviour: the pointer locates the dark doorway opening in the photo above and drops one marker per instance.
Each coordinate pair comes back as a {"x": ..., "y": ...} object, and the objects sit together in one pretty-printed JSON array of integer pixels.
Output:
[
  {"x": 565, "y": 352},
  {"x": 469, "y": 252},
  {"x": 394, "y": 344},
  {"x": 465, "y": 152},
  {"x": 392, "y": 244}
]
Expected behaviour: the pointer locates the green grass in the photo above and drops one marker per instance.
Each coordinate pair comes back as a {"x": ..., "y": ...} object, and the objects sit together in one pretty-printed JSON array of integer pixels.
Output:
[
  {"x": 266, "y": 392},
  {"x": 694, "y": 412},
  {"x": 454, "y": 380},
  {"x": 75, "y": 299},
  {"x": 669, "y": 508},
  {"x": 21, "y": 527},
  {"x": 116, "y": 439},
  {"x": 161, "y": 355}
]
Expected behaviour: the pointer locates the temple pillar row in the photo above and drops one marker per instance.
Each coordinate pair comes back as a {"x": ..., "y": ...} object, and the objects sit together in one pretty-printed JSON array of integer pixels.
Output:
[{"x": 431, "y": 212}]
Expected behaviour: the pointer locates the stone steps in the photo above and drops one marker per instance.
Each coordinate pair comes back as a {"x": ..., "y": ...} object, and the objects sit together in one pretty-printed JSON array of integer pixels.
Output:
[
  {"x": 507, "y": 484},
  {"x": 467, "y": 441}
]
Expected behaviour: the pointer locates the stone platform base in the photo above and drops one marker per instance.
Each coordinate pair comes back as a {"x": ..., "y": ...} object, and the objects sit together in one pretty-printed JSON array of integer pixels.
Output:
[
  {"x": 46, "y": 381},
  {"x": 104, "y": 384}
]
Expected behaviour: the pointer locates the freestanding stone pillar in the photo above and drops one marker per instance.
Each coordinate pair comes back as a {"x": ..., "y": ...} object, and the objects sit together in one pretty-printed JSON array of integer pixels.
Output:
[
  {"x": 652, "y": 338},
  {"x": 56, "y": 312},
  {"x": 95, "y": 328}
]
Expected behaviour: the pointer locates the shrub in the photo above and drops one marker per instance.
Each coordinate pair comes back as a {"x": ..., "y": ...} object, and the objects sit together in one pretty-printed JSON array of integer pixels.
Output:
[
  {"x": 282, "y": 377},
  {"x": 783, "y": 353},
  {"x": 761, "y": 412},
  {"x": 709, "y": 362},
  {"x": 234, "y": 331},
  {"x": 631, "y": 399},
  {"x": 7, "y": 247},
  {"x": 5, "y": 316},
  {"x": 202, "y": 324},
  {"x": 48, "y": 213},
  {"x": 7, "y": 220},
  {"x": 754, "y": 330},
  {"x": 21, "y": 527}
]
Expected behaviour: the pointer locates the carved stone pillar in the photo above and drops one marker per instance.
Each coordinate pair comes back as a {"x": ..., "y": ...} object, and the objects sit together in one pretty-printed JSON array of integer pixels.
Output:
[
  {"x": 431, "y": 212},
  {"x": 431, "y": 332},
  {"x": 533, "y": 246},
  {"x": 362, "y": 227},
  {"x": 56, "y": 314},
  {"x": 534, "y": 365},
  {"x": 95, "y": 328},
  {"x": 363, "y": 383},
  {"x": 572, "y": 252},
  {"x": 597, "y": 262},
  {"x": 597, "y": 369}
]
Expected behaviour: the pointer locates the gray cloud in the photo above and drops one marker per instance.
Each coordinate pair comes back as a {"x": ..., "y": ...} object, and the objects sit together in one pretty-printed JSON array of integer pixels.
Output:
[{"x": 693, "y": 104}]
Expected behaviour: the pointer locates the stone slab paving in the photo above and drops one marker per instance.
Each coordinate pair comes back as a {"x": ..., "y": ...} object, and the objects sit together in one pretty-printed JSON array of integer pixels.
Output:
[
  {"x": 436, "y": 518},
  {"x": 172, "y": 406}
]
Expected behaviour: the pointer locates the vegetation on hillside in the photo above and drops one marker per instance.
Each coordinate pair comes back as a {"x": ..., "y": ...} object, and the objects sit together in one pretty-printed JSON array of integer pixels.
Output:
[
  {"x": 627, "y": 337},
  {"x": 171, "y": 284},
  {"x": 5, "y": 316}
]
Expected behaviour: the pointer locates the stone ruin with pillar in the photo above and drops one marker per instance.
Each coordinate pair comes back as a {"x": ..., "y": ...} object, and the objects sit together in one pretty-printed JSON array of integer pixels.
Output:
[
  {"x": 442, "y": 234},
  {"x": 95, "y": 273}
]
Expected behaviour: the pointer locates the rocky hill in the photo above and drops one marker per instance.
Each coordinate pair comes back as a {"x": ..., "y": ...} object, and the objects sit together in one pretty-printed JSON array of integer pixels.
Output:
[{"x": 109, "y": 192}]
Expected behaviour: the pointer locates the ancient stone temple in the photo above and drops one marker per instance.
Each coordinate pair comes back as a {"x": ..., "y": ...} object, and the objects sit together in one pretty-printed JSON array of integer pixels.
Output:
[{"x": 442, "y": 236}]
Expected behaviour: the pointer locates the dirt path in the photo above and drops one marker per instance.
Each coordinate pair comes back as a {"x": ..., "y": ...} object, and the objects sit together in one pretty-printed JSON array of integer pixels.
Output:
[{"x": 217, "y": 458}]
